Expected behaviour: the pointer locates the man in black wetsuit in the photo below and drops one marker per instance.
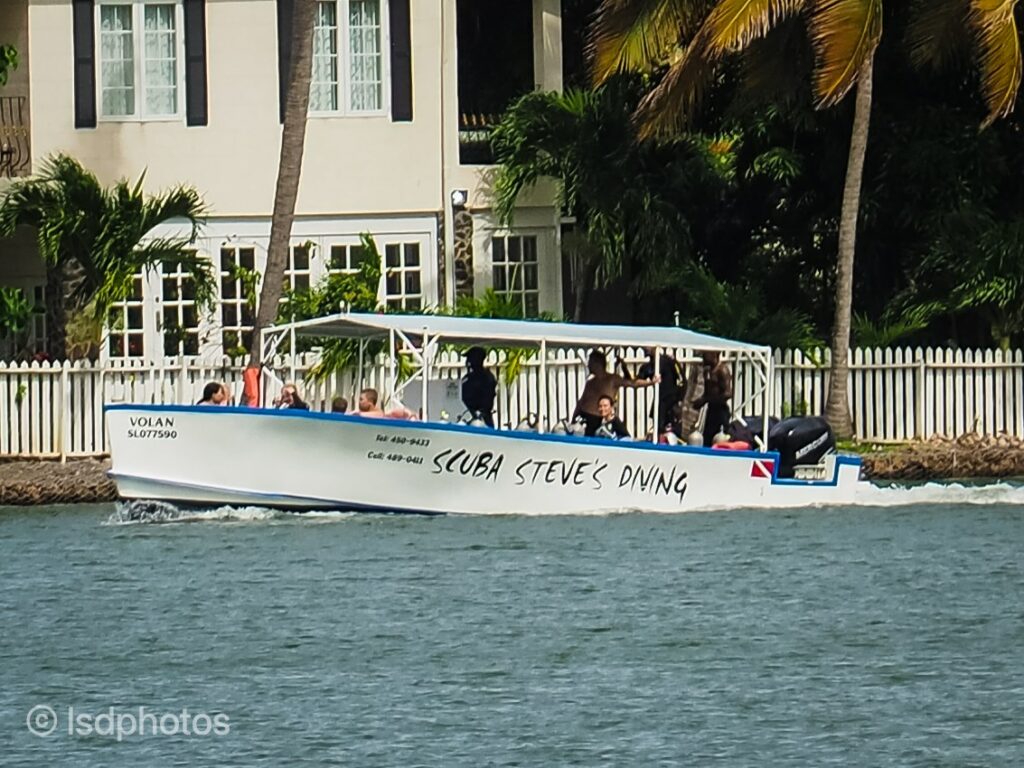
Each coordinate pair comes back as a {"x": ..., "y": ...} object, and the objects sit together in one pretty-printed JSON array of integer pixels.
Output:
[{"x": 479, "y": 386}]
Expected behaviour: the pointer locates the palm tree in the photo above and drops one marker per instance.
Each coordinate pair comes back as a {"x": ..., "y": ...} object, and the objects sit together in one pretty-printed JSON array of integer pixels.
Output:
[
  {"x": 616, "y": 189},
  {"x": 690, "y": 38},
  {"x": 93, "y": 239},
  {"x": 937, "y": 31},
  {"x": 289, "y": 169}
]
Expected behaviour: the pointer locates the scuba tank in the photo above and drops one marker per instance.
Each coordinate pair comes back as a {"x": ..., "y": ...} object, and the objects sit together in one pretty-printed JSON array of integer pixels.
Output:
[
  {"x": 444, "y": 417},
  {"x": 578, "y": 428},
  {"x": 695, "y": 439},
  {"x": 559, "y": 428},
  {"x": 477, "y": 420},
  {"x": 529, "y": 424}
]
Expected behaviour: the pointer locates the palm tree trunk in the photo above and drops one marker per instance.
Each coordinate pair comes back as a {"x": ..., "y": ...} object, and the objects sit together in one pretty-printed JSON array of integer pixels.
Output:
[
  {"x": 293, "y": 142},
  {"x": 837, "y": 406},
  {"x": 584, "y": 286},
  {"x": 55, "y": 312}
]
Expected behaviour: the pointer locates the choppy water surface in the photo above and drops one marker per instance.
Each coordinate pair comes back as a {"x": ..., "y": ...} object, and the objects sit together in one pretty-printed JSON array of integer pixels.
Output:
[{"x": 889, "y": 634}]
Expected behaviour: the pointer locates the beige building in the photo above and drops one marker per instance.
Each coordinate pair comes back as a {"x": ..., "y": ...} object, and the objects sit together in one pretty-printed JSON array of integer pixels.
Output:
[{"x": 188, "y": 91}]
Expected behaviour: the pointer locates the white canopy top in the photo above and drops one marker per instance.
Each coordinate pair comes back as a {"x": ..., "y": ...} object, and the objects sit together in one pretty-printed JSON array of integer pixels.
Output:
[{"x": 516, "y": 333}]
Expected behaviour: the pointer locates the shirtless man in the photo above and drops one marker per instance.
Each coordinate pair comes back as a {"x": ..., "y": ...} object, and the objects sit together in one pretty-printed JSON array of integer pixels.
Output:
[
  {"x": 602, "y": 384},
  {"x": 717, "y": 393},
  {"x": 368, "y": 404}
]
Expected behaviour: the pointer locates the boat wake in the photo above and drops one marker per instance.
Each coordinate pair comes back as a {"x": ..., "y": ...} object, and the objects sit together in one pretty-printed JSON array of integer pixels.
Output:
[
  {"x": 143, "y": 511},
  {"x": 868, "y": 495},
  {"x": 931, "y": 494}
]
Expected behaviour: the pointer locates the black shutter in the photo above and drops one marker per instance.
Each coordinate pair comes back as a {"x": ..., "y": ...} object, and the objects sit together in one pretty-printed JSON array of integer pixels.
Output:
[
  {"x": 195, "y": 62},
  {"x": 401, "y": 62},
  {"x": 84, "y": 39},
  {"x": 285, "y": 12}
]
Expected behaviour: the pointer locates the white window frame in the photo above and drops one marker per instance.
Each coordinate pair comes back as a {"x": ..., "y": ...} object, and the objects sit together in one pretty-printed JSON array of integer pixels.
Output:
[
  {"x": 142, "y": 331},
  {"x": 344, "y": 51},
  {"x": 400, "y": 300},
  {"x": 179, "y": 306},
  {"x": 239, "y": 300},
  {"x": 138, "y": 34},
  {"x": 520, "y": 294}
]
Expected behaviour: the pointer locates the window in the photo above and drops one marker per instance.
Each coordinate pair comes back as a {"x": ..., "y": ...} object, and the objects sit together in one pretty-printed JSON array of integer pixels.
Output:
[
  {"x": 138, "y": 58},
  {"x": 346, "y": 258},
  {"x": 514, "y": 264},
  {"x": 181, "y": 319},
  {"x": 238, "y": 285},
  {"x": 125, "y": 337},
  {"x": 348, "y": 65},
  {"x": 403, "y": 287},
  {"x": 296, "y": 276}
]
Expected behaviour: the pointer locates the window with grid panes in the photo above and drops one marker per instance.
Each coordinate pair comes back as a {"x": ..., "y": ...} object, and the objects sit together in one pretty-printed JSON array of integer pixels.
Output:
[
  {"x": 138, "y": 56},
  {"x": 180, "y": 325},
  {"x": 516, "y": 270},
  {"x": 125, "y": 336},
  {"x": 346, "y": 258},
  {"x": 403, "y": 284},
  {"x": 348, "y": 64},
  {"x": 237, "y": 313},
  {"x": 296, "y": 276}
]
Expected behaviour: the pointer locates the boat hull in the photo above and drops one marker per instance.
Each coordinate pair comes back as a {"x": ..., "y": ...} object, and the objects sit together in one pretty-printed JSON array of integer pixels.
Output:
[{"x": 300, "y": 460}]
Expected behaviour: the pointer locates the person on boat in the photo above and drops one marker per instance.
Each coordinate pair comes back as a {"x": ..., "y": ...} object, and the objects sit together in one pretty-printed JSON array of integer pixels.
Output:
[
  {"x": 602, "y": 384},
  {"x": 479, "y": 386},
  {"x": 339, "y": 405},
  {"x": 290, "y": 399},
  {"x": 213, "y": 394},
  {"x": 367, "y": 405},
  {"x": 611, "y": 425},
  {"x": 668, "y": 391},
  {"x": 717, "y": 393}
]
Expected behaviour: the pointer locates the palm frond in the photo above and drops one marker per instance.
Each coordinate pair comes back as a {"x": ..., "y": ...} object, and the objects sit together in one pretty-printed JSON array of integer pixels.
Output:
[
  {"x": 669, "y": 105},
  {"x": 637, "y": 35},
  {"x": 935, "y": 32},
  {"x": 731, "y": 26},
  {"x": 844, "y": 34},
  {"x": 999, "y": 54},
  {"x": 735, "y": 24}
]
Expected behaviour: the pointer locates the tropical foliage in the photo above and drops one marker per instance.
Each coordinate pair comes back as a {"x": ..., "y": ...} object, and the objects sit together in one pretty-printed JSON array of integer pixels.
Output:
[
  {"x": 95, "y": 240},
  {"x": 8, "y": 62}
]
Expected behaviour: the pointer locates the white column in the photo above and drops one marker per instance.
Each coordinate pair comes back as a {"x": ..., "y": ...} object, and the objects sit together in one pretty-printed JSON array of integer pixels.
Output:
[{"x": 547, "y": 45}]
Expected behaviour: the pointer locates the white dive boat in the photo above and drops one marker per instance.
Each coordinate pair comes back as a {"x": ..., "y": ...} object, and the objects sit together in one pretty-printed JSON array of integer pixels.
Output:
[{"x": 306, "y": 460}]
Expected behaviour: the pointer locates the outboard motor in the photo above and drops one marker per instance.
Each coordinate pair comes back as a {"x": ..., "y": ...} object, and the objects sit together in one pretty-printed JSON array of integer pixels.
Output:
[
  {"x": 751, "y": 429},
  {"x": 800, "y": 440}
]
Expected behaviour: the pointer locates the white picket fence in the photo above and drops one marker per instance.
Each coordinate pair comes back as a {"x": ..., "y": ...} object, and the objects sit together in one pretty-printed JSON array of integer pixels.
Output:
[{"x": 895, "y": 394}]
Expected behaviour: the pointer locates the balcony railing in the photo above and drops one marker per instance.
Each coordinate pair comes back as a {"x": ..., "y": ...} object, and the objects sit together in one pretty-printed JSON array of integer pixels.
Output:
[
  {"x": 475, "y": 138},
  {"x": 15, "y": 157}
]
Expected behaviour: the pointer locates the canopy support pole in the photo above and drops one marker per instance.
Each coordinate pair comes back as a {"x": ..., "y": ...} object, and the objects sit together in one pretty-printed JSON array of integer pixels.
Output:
[
  {"x": 542, "y": 419},
  {"x": 394, "y": 362},
  {"x": 360, "y": 375},
  {"x": 656, "y": 373},
  {"x": 425, "y": 371}
]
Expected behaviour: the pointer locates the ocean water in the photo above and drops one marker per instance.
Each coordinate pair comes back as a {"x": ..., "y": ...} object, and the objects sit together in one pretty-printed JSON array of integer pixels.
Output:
[{"x": 890, "y": 633}]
